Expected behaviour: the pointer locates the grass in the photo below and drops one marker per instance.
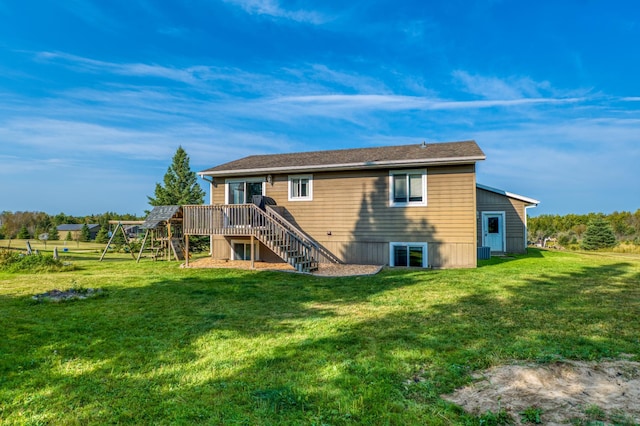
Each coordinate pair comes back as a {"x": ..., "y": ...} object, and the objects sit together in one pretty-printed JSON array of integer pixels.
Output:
[{"x": 179, "y": 346}]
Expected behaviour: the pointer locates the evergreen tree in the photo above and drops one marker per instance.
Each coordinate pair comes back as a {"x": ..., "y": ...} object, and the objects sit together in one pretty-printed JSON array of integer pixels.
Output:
[
  {"x": 102, "y": 236},
  {"x": 180, "y": 184},
  {"x": 598, "y": 235},
  {"x": 53, "y": 234},
  {"x": 69, "y": 236},
  {"x": 85, "y": 234},
  {"x": 23, "y": 233}
]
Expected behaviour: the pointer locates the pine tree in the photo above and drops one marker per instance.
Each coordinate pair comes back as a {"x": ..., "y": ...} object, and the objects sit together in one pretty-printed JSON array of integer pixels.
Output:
[
  {"x": 180, "y": 184},
  {"x": 85, "y": 234},
  {"x": 23, "y": 233},
  {"x": 102, "y": 236},
  {"x": 53, "y": 234},
  {"x": 598, "y": 235},
  {"x": 69, "y": 236}
]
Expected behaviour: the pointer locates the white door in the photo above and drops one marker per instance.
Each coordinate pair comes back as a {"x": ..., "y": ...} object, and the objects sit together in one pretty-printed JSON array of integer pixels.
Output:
[{"x": 493, "y": 231}]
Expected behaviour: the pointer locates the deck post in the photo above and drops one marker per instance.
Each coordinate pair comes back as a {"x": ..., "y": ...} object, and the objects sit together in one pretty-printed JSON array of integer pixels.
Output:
[
  {"x": 186, "y": 250},
  {"x": 253, "y": 254},
  {"x": 169, "y": 244}
]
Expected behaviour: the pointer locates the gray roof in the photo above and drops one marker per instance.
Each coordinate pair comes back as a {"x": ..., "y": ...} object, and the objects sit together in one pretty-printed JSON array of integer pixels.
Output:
[
  {"x": 527, "y": 200},
  {"x": 76, "y": 226},
  {"x": 158, "y": 215},
  {"x": 358, "y": 158}
]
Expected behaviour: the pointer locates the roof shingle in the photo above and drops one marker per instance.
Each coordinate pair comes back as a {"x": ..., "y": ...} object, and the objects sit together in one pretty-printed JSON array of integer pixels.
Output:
[{"x": 356, "y": 158}]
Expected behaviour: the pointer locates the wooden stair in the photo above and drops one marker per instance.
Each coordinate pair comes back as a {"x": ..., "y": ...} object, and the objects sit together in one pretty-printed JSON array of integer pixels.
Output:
[{"x": 289, "y": 248}]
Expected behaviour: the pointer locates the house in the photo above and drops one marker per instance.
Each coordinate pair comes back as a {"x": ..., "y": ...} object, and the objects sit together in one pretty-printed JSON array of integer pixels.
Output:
[
  {"x": 410, "y": 205},
  {"x": 76, "y": 229},
  {"x": 502, "y": 219}
]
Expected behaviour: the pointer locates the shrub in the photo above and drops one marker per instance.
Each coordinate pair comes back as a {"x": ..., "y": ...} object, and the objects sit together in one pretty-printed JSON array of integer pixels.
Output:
[{"x": 11, "y": 261}]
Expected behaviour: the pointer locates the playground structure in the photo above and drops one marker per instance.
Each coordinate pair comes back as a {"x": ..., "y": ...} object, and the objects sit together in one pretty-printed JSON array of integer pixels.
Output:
[
  {"x": 163, "y": 230},
  {"x": 163, "y": 237},
  {"x": 120, "y": 227}
]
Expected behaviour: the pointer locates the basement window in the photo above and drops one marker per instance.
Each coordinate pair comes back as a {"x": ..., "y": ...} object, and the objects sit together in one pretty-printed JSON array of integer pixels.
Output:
[
  {"x": 241, "y": 250},
  {"x": 408, "y": 254}
]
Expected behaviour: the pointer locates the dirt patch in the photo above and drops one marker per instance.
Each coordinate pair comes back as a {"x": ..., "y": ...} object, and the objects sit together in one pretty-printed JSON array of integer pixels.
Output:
[
  {"x": 562, "y": 392},
  {"x": 324, "y": 269},
  {"x": 208, "y": 262},
  {"x": 69, "y": 294},
  {"x": 333, "y": 270}
]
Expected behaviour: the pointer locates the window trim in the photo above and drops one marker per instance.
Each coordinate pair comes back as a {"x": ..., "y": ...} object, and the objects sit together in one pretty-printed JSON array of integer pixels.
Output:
[
  {"x": 256, "y": 248},
  {"x": 245, "y": 181},
  {"x": 392, "y": 177},
  {"x": 290, "y": 179},
  {"x": 425, "y": 252}
]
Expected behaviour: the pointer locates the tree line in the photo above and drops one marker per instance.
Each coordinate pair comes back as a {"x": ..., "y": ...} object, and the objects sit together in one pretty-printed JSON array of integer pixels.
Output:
[
  {"x": 570, "y": 229},
  {"x": 30, "y": 225}
]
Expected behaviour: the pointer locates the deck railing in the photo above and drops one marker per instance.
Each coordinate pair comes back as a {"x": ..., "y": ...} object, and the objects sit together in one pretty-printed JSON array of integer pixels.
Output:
[{"x": 248, "y": 219}]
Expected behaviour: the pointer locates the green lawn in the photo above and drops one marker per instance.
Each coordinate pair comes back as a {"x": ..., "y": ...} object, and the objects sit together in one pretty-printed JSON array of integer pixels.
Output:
[{"x": 179, "y": 346}]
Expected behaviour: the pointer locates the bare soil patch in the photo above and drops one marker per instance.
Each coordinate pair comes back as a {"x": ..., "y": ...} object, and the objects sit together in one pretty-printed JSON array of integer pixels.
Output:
[
  {"x": 56, "y": 295},
  {"x": 324, "y": 269},
  {"x": 208, "y": 262},
  {"x": 564, "y": 392}
]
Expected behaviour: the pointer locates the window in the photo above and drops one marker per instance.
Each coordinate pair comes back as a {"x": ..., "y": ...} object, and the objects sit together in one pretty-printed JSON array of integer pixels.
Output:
[
  {"x": 301, "y": 188},
  {"x": 241, "y": 191},
  {"x": 493, "y": 225},
  {"x": 408, "y": 254},
  {"x": 241, "y": 250},
  {"x": 408, "y": 188}
]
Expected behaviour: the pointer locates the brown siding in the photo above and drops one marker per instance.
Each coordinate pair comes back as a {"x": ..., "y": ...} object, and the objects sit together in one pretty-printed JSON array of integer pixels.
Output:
[
  {"x": 350, "y": 215},
  {"x": 515, "y": 216}
]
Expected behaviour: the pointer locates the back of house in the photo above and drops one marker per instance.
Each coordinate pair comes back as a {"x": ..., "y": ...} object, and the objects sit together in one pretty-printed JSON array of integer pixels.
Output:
[{"x": 409, "y": 205}]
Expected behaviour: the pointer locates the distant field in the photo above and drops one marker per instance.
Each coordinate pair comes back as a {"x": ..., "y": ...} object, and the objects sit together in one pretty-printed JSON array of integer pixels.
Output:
[{"x": 165, "y": 345}]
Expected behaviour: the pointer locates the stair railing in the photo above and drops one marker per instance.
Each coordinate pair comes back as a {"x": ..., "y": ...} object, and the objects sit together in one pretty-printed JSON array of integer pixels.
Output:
[{"x": 319, "y": 251}]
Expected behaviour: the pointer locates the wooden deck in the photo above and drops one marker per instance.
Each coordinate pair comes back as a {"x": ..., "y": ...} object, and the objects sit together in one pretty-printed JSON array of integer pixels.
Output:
[{"x": 271, "y": 229}]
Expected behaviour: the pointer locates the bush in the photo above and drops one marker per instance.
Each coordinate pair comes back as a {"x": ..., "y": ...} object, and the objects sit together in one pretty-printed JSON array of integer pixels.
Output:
[{"x": 11, "y": 261}]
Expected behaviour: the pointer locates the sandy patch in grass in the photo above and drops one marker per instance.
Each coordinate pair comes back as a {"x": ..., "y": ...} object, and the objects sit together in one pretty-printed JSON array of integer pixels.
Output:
[
  {"x": 324, "y": 269},
  {"x": 208, "y": 262},
  {"x": 607, "y": 391}
]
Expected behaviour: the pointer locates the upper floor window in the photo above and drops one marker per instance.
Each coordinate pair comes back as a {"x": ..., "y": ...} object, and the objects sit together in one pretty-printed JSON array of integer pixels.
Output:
[
  {"x": 300, "y": 188},
  {"x": 241, "y": 191},
  {"x": 408, "y": 188}
]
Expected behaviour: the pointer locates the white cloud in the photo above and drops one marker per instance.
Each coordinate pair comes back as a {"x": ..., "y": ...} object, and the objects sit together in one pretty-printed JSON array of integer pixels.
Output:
[
  {"x": 274, "y": 9},
  {"x": 498, "y": 88},
  {"x": 332, "y": 105},
  {"x": 189, "y": 75}
]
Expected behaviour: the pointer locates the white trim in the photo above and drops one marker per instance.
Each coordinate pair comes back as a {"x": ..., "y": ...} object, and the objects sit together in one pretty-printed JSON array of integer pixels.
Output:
[
  {"x": 309, "y": 197},
  {"x": 423, "y": 173},
  {"x": 233, "y": 252},
  {"x": 503, "y": 225},
  {"x": 350, "y": 166},
  {"x": 508, "y": 194},
  {"x": 245, "y": 180},
  {"x": 425, "y": 251}
]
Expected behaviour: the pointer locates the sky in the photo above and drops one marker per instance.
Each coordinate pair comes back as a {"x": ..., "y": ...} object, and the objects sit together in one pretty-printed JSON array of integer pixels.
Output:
[{"x": 96, "y": 96}]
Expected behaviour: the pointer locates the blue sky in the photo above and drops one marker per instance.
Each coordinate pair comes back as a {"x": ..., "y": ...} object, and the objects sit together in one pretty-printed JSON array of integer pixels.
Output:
[{"x": 96, "y": 96}]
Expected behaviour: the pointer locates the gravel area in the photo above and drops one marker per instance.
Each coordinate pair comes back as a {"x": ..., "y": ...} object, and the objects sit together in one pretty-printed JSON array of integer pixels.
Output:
[{"x": 324, "y": 269}]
